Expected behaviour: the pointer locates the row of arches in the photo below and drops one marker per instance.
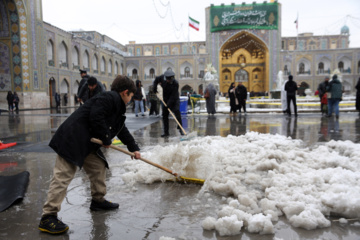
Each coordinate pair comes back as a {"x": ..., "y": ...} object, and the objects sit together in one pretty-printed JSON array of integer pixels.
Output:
[
  {"x": 97, "y": 64},
  {"x": 186, "y": 71},
  {"x": 322, "y": 67}
]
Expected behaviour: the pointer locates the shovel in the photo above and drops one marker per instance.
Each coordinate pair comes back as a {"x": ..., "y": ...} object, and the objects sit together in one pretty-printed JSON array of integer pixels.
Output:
[{"x": 178, "y": 178}]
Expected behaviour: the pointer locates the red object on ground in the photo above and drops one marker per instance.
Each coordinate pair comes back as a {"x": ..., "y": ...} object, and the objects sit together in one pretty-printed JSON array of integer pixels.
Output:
[
  {"x": 3, "y": 166},
  {"x": 6, "y": 145}
]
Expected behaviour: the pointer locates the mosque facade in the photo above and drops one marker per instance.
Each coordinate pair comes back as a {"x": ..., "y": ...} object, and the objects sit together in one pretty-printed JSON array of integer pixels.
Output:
[{"x": 243, "y": 43}]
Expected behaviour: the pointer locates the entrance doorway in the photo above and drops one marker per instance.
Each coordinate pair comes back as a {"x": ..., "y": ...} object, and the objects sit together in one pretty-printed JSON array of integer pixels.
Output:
[
  {"x": 244, "y": 58},
  {"x": 52, "y": 91}
]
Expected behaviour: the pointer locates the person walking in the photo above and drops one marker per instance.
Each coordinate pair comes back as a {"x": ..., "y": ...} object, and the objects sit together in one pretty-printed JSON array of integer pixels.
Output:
[
  {"x": 10, "y": 100},
  {"x": 291, "y": 88},
  {"x": 210, "y": 101},
  {"x": 16, "y": 101},
  {"x": 358, "y": 96},
  {"x": 84, "y": 78},
  {"x": 102, "y": 117},
  {"x": 138, "y": 99},
  {"x": 153, "y": 102},
  {"x": 91, "y": 88},
  {"x": 65, "y": 99},
  {"x": 322, "y": 90},
  {"x": 57, "y": 100},
  {"x": 241, "y": 94},
  {"x": 231, "y": 93},
  {"x": 171, "y": 98},
  {"x": 334, "y": 90}
]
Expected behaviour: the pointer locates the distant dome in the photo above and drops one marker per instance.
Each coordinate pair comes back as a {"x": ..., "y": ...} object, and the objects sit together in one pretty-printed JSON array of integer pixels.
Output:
[{"x": 345, "y": 30}]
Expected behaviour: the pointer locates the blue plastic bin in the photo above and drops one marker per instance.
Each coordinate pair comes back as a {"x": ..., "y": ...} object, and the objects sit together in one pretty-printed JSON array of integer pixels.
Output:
[{"x": 183, "y": 105}]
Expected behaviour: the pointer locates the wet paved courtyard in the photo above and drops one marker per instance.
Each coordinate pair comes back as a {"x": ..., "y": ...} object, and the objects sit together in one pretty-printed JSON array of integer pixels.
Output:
[{"x": 154, "y": 210}]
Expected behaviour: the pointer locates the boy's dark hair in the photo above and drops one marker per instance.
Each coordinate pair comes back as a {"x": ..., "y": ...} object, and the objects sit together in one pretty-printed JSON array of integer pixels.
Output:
[
  {"x": 122, "y": 83},
  {"x": 91, "y": 81},
  {"x": 290, "y": 77}
]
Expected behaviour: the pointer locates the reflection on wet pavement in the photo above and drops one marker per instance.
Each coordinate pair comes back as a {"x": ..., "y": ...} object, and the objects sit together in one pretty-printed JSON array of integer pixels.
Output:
[{"x": 155, "y": 210}]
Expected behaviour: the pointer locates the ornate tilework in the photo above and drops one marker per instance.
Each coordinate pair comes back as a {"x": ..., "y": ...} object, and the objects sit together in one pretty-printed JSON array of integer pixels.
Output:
[
  {"x": 24, "y": 49},
  {"x": 5, "y": 75}
]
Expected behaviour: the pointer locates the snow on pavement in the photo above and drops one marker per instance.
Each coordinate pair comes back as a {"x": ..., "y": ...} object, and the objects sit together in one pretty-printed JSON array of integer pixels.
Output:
[{"x": 262, "y": 177}]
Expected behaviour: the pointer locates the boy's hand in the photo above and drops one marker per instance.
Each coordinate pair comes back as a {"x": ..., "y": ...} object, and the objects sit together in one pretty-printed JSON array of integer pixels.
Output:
[{"x": 137, "y": 155}]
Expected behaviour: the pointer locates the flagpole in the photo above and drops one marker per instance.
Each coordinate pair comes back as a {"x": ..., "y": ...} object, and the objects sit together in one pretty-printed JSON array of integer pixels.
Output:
[
  {"x": 188, "y": 29},
  {"x": 297, "y": 32}
]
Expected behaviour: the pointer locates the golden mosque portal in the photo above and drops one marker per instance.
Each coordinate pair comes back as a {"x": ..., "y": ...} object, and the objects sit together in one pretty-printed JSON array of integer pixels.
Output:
[{"x": 244, "y": 58}]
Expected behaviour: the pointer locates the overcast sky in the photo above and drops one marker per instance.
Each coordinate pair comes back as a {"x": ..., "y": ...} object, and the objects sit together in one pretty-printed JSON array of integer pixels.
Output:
[{"x": 150, "y": 21}]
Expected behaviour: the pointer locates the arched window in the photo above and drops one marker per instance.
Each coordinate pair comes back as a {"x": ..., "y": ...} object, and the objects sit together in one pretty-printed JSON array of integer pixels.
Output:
[
  {"x": 95, "y": 63},
  {"x": 184, "y": 49},
  {"x": 187, "y": 72},
  {"x": 102, "y": 65},
  {"x": 241, "y": 59},
  {"x": 110, "y": 67},
  {"x": 134, "y": 74},
  {"x": 75, "y": 58},
  {"x": 50, "y": 53},
  {"x": 63, "y": 55},
  {"x": 341, "y": 66},
  {"x": 241, "y": 76},
  {"x": 86, "y": 60},
  {"x": 116, "y": 68},
  {"x": 321, "y": 67},
  {"x": 152, "y": 73},
  {"x": 301, "y": 68}
]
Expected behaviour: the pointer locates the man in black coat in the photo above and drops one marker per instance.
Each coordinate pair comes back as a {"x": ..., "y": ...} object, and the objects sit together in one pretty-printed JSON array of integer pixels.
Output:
[
  {"x": 291, "y": 88},
  {"x": 84, "y": 78},
  {"x": 241, "y": 94},
  {"x": 91, "y": 88},
  {"x": 171, "y": 98},
  {"x": 101, "y": 117},
  {"x": 322, "y": 90}
]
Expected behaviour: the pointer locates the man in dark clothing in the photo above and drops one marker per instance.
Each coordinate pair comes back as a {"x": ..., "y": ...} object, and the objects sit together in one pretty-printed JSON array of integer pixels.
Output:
[
  {"x": 91, "y": 88},
  {"x": 291, "y": 88},
  {"x": 241, "y": 94},
  {"x": 84, "y": 78},
  {"x": 102, "y": 117},
  {"x": 171, "y": 98},
  {"x": 322, "y": 90},
  {"x": 57, "y": 100}
]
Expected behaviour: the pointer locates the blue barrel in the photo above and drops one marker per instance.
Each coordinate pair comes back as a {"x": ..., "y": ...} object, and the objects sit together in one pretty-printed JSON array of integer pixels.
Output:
[{"x": 183, "y": 105}]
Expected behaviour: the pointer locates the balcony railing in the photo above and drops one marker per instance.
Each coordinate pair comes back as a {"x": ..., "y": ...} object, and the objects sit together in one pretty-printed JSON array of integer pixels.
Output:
[
  {"x": 76, "y": 66},
  {"x": 304, "y": 73},
  {"x": 64, "y": 65},
  {"x": 96, "y": 71},
  {"x": 347, "y": 71},
  {"x": 186, "y": 76},
  {"x": 51, "y": 63},
  {"x": 322, "y": 71}
]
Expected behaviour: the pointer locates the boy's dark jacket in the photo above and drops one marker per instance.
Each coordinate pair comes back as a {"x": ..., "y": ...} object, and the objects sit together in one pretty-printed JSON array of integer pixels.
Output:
[{"x": 102, "y": 117}]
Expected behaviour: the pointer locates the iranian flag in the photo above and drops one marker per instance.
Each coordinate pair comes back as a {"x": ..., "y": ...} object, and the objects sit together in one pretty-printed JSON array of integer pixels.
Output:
[{"x": 194, "y": 24}]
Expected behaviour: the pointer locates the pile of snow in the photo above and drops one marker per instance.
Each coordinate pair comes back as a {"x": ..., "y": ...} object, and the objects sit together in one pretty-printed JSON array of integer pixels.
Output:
[{"x": 263, "y": 176}]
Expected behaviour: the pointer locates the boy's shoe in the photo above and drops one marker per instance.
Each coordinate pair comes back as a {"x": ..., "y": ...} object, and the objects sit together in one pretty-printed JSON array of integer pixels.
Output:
[
  {"x": 51, "y": 224},
  {"x": 105, "y": 205}
]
